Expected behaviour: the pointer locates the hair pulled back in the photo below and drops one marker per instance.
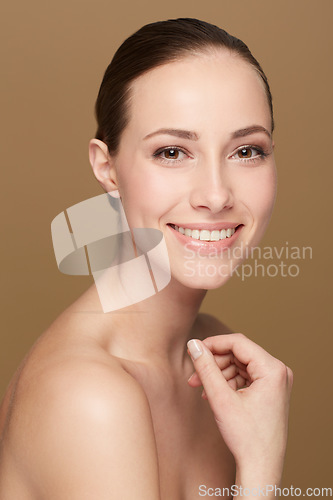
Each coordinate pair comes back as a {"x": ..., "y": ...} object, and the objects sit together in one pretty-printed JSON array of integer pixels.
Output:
[{"x": 151, "y": 46}]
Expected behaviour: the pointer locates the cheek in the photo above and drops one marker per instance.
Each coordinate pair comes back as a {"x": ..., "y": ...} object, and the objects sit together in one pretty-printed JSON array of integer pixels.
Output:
[
  {"x": 147, "y": 193},
  {"x": 258, "y": 192}
]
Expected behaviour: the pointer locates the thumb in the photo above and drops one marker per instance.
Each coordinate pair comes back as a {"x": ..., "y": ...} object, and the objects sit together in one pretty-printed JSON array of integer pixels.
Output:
[{"x": 215, "y": 385}]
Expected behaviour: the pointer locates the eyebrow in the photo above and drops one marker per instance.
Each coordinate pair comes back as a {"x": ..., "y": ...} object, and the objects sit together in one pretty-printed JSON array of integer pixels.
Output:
[
  {"x": 193, "y": 136},
  {"x": 183, "y": 134},
  {"x": 250, "y": 130}
]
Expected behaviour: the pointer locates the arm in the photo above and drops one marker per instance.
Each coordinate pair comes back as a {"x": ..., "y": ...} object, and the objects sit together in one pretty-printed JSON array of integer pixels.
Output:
[
  {"x": 248, "y": 391},
  {"x": 93, "y": 438}
]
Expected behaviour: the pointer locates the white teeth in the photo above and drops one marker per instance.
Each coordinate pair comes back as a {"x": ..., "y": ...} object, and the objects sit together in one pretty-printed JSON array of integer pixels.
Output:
[
  {"x": 215, "y": 235},
  {"x": 206, "y": 235}
]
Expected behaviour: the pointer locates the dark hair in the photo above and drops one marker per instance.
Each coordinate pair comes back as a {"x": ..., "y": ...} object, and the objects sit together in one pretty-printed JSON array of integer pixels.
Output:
[{"x": 154, "y": 45}]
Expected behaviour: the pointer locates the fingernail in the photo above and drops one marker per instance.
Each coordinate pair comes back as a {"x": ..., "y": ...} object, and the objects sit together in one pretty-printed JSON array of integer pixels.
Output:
[{"x": 195, "y": 348}]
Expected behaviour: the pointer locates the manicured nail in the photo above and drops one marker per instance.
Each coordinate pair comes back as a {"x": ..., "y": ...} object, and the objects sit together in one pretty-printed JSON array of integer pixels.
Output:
[{"x": 195, "y": 348}]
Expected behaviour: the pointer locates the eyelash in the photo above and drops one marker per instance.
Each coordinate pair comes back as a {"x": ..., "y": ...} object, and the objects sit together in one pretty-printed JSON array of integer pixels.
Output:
[
  {"x": 170, "y": 148},
  {"x": 261, "y": 154}
]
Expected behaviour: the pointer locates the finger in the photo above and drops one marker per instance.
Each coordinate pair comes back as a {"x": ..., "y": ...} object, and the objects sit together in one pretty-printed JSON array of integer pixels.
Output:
[
  {"x": 240, "y": 365},
  {"x": 194, "y": 380},
  {"x": 232, "y": 384},
  {"x": 224, "y": 361},
  {"x": 256, "y": 359},
  {"x": 234, "y": 369},
  {"x": 216, "y": 387},
  {"x": 237, "y": 382},
  {"x": 241, "y": 382},
  {"x": 244, "y": 374},
  {"x": 230, "y": 372}
]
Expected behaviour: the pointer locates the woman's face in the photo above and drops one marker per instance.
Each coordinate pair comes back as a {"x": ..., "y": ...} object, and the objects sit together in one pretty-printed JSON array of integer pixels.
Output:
[{"x": 196, "y": 162}]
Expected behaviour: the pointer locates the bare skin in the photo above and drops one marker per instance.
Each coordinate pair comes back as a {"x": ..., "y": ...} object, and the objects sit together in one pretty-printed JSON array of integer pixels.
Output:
[
  {"x": 102, "y": 406},
  {"x": 70, "y": 361}
]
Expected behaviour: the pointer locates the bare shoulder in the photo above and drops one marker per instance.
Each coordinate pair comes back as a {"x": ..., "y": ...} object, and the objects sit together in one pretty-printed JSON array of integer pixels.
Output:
[
  {"x": 86, "y": 426},
  {"x": 208, "y": 326}
]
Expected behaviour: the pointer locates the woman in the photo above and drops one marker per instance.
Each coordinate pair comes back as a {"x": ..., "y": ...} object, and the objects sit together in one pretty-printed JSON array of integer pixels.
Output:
[{"x": 105, "y": 406}]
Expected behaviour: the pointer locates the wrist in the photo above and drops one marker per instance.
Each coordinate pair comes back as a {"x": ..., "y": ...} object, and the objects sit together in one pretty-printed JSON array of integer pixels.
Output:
[
  {"x": 254, "y": 481},
  {"x": 263, "y": 467}
]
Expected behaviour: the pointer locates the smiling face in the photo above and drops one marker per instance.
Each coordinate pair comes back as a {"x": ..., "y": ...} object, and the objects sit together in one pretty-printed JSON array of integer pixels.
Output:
[{"x": 196, "y": 161}]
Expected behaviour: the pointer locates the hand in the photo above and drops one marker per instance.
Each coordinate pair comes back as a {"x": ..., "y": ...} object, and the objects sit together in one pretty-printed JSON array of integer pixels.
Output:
[{"x": 248, "y": 391}]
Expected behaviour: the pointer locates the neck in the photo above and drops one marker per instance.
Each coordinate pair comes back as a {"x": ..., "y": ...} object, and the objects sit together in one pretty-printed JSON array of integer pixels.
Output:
[{"x": 153, "y": 331}]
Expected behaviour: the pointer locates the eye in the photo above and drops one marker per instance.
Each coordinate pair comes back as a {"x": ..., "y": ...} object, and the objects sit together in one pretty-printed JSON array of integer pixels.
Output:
[
  {"x": 170, "y": 154},
  {"x": 245, "y": 153},
  {"x": 248, "y": 153}
]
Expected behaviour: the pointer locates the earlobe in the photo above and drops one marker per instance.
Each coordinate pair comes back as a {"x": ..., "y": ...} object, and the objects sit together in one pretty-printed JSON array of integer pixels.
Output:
[
  {"x": 115, "y": 193},
  {"x": 102, "y": 165}
]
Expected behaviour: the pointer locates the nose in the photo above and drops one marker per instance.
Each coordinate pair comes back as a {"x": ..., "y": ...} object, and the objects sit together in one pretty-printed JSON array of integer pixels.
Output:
[{"x": 212, "y": 190}]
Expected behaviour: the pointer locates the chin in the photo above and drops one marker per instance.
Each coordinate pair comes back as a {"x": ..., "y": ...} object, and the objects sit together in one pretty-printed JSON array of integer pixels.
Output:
[{"x": 205, "y": 275}]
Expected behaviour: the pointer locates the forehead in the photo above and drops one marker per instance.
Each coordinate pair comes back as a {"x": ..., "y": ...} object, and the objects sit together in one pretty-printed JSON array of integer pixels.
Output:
[{"x": 211, "y": 93}]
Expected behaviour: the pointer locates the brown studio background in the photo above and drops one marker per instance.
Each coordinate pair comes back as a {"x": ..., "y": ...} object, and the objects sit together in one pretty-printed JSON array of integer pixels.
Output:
[{"x": 53, "y": 57}]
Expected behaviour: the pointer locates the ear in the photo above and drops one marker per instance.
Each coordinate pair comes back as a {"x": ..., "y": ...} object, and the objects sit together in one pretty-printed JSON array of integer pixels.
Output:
[{"x": 102, "y": 165}]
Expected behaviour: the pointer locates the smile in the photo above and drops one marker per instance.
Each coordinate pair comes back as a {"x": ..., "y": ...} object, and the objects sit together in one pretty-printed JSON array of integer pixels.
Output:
[{"x": 205, "y": 234}]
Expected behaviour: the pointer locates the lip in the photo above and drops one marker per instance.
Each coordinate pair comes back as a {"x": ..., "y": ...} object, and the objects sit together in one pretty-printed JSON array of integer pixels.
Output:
[
  {"x": 207, "y": 247},
  {"x": 208, "y": 225}
]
